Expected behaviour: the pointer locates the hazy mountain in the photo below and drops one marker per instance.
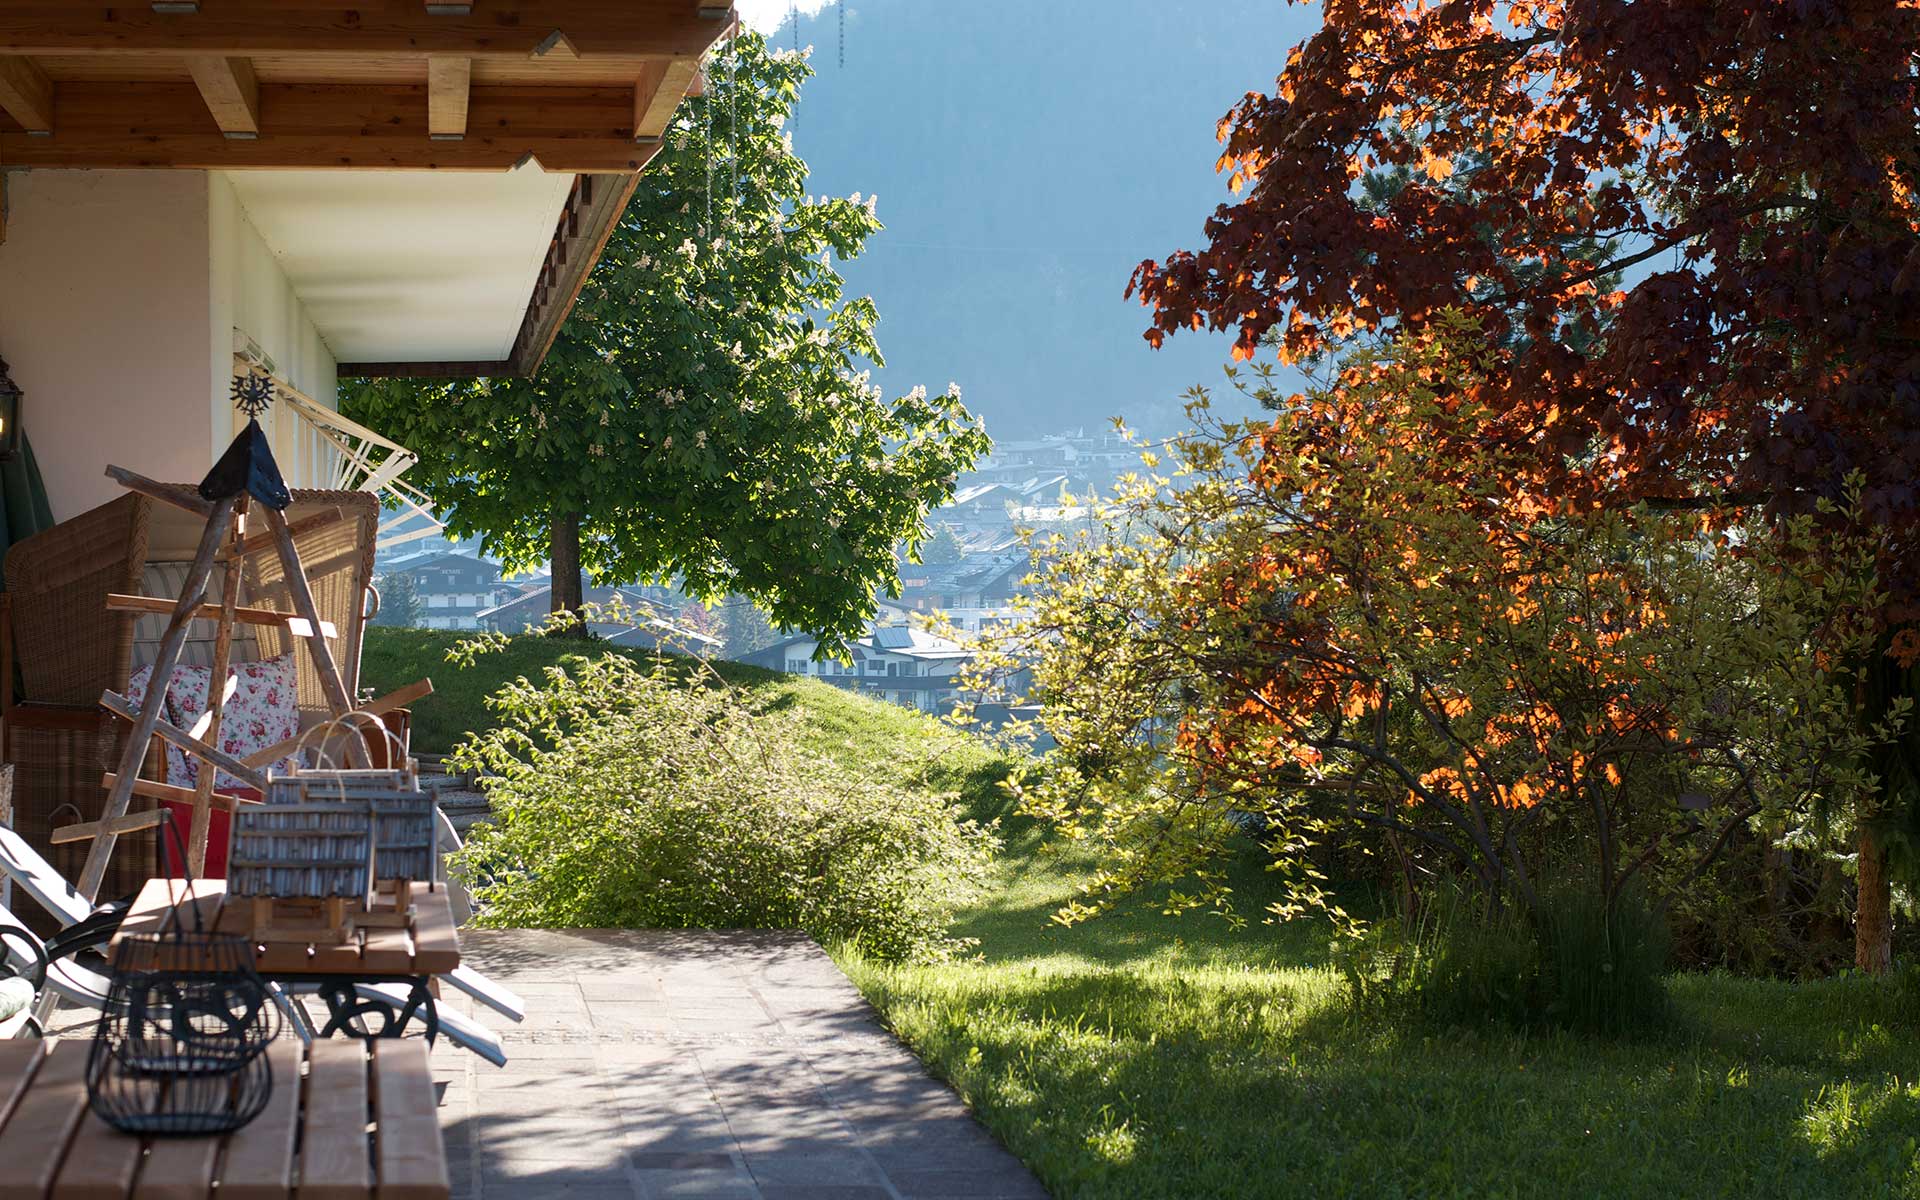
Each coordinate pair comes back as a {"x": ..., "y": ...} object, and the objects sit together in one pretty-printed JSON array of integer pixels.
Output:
[{"x": 1026, "y": 156}]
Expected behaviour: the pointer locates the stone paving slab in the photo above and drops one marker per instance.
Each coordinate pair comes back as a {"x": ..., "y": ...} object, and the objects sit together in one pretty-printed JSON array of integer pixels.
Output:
[
  {"x": 658, "y": 1065},
  {"x": 712, "y": 1066}
]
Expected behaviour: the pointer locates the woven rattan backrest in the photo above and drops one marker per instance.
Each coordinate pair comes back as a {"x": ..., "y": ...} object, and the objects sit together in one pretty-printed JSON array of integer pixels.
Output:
[
  {"x": 339, "y": 564},
  {"x": 69, "y": 647},
  {"x": 169, "y": 579}
]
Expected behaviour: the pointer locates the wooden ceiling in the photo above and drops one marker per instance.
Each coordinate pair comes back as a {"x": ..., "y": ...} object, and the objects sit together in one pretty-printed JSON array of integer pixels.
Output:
[{"x": 585, "y": 86}]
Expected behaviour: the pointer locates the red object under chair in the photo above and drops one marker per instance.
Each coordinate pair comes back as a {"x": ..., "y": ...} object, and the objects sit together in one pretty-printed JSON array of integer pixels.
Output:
[{"x": 218, "y": 829}]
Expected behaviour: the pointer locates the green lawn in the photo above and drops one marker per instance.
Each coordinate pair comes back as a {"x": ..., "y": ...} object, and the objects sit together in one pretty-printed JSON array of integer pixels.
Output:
[
  {"x": 1145, "y": 1056},
  {"x": 1141, "y": 1056}
]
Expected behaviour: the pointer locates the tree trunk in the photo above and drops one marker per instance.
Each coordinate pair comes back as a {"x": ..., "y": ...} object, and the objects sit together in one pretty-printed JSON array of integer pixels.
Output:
[
  {"x": 1873, "y": 916},
  {"x": 566, "y": 594}
]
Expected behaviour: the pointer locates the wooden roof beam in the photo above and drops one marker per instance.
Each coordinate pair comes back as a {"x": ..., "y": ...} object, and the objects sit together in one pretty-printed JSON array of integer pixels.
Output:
[
  {"x": 449, "y": 83},
  {"x": 379, "y": 126},
  {"x": 26, "y": 93},
  {"x": 231, "y": 92},
  {"x": 251, "y": 28},
  {"x": 657, "y": 94}
]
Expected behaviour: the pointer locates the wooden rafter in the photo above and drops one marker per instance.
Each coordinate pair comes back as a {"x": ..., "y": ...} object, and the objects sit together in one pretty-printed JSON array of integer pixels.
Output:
[
  {"x": 657, "y": 94},
  {"x": 247, "y": 28},
  {"x": 26, "y": 93},
  {"x": 231, "y": 91},
  {"x": 449, "y": 80},
  {"x": 592, "y": 211}
]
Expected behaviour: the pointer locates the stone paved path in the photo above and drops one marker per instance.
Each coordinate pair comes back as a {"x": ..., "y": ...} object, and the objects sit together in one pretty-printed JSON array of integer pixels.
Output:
[{"x": 677, "y": 1065}]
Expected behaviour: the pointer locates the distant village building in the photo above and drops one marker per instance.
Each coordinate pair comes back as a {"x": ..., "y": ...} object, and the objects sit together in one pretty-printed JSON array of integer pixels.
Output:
[
  {"x": 898, "y": 664},
  {"x": 454, "y": 589},
  {"x": 427, "y": 544},
  {"x": 1085, "y": 462},
  {"x": 975, "y": 593},
  {"x": 640, "y": 627},
  {"x": 981, "y": 505}
]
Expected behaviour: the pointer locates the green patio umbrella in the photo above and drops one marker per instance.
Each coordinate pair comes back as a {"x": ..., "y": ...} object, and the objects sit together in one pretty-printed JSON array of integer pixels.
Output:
[{"x": 23, "y": 497}]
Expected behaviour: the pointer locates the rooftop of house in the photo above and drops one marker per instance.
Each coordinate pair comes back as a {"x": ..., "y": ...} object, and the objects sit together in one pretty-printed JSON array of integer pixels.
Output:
[
  {"x": 437, "y": 558},
  {"x": 892, "y": 639},
  {"x": 978, "y": 492},
  {"x": 973, "y": 571},
  {"x": 641, "y": 617}
]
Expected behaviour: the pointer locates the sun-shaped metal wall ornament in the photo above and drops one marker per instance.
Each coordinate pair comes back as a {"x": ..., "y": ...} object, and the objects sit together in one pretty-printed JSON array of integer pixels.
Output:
[{"x": 253, "y": 393}]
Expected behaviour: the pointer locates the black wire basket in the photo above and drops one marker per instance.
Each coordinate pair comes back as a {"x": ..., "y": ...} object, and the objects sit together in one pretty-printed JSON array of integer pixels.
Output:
[{"x": 180, "y": 1048}]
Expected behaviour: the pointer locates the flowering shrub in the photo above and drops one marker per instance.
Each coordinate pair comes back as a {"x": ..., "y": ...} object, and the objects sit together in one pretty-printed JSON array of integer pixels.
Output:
[{"x": 632, "y": 796}]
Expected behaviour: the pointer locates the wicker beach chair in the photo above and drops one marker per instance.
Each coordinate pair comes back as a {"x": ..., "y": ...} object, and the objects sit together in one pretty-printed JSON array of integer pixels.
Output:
[{"x": 65, "y": 648}]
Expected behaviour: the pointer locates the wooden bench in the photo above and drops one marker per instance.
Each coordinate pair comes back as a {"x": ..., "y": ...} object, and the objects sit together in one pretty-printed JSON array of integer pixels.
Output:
[{"x": 347, "y": 1120}]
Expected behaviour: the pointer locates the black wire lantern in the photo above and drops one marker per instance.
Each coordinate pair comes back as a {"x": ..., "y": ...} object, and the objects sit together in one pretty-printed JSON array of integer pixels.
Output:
[
  {"x": 11, "y": 402},
  {"x": 181, "y": 1040}
]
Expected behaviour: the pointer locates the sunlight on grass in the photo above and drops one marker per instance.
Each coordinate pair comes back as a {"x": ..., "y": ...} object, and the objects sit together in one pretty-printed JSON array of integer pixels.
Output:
[{"x": 1142, "y": 1056}]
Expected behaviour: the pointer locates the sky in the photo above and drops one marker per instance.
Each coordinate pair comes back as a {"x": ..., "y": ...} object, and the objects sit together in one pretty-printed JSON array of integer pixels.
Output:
[
  {"x": 769, "y": 15},
  {"x": 1026, "y": 156}
]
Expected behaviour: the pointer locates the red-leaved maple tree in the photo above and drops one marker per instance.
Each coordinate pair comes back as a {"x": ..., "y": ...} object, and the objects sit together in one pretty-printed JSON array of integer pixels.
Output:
[
  {"x": 1689, "y": 230},
  {"x": 1749, "y": 166}
]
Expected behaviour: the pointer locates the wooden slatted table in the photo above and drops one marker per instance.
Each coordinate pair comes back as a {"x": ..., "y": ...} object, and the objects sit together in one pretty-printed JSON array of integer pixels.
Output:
[
  {"x": 346, "y": 1120},
  {"x": 427, "y": 947}
]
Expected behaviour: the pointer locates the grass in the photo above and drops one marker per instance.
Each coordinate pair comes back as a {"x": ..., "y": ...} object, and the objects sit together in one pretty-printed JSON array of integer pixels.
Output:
[
  {"x": 858, "y": 731},
  {"x": 1142, "y": 1056},
  {"x": 1145, "y": 1056}
]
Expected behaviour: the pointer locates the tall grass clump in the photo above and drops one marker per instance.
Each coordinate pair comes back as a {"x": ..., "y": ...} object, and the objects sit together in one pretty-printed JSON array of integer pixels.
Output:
[
  {"x": 630, "y": 795},
  {"x": 1574, "y": 962},
  {"x": 1603, "y": 966}
]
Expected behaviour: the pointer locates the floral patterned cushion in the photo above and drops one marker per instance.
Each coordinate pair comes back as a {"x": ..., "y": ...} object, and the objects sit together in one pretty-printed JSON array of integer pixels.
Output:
[
  {"x": 137, "y": 695},
  {"x": 260, "y": 713}
]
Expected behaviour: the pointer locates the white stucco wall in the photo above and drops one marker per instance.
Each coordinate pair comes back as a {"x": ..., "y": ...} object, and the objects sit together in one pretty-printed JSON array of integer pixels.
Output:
[
  {"x": 104, "y": 320},
  {"x": 119, "y": 295},
  {"x": 249, "y": 292}
]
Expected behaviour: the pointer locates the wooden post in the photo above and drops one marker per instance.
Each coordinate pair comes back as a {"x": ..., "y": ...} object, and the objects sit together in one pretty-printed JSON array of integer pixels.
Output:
[
  {"x": 6, "y": 819},
  {"x": 135, "y": 750},
  {"x": 337, "y": 699},
  {"x": 217, "y": 691}
]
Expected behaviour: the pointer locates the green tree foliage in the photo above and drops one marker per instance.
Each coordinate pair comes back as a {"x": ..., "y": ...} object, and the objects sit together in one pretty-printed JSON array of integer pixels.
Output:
[
  {"x": 399, "y": 601},
  {"x": 745, "y": 628},
  {"x": 942, "y": 547},
  {"x": 705, "y": 413}
]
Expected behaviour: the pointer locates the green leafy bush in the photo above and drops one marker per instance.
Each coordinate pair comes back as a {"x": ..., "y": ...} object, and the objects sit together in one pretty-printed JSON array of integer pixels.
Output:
[{"x": 630, "y": 795}]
